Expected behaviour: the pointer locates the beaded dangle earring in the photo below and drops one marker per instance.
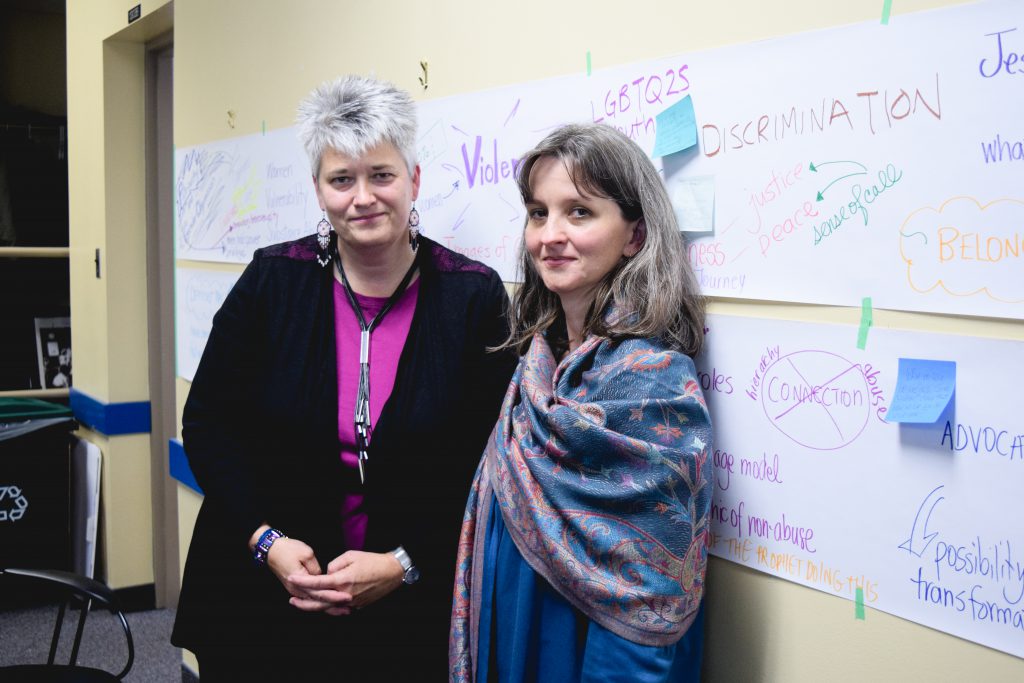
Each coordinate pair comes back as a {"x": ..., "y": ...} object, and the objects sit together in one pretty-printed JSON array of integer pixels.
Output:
[
  {"x": 323, "y": 241},
  {"x": 414, "y": 228}
]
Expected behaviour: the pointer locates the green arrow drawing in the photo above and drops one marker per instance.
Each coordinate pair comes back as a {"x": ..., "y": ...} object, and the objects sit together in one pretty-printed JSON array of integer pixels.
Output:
[
  {"x": 821, "y": 193},
  {"x": 826, "y": 163}
]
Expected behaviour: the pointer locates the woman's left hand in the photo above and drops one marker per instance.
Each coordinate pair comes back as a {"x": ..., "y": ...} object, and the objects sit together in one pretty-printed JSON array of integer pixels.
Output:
[{"x": 367, "y": 577}]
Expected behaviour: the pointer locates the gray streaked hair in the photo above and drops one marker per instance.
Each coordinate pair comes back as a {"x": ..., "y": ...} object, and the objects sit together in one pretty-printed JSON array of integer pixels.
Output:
[
  {"x": 354, "y": 114},
  {"x": 655, "y": 290}
]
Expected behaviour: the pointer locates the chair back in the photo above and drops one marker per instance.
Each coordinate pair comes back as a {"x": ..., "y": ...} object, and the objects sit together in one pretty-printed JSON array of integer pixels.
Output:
[{"x": 87, "y": 591}]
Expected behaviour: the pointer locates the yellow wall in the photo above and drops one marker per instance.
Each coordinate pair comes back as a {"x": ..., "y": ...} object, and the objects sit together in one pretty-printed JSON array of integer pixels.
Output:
[
  {"x": 258, "y": 58},
  {"x": 107, "y": 211}
]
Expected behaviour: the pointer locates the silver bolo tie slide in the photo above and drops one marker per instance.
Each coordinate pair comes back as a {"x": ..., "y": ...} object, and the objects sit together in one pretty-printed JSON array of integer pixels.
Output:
[{"x": 363, "y": 409}]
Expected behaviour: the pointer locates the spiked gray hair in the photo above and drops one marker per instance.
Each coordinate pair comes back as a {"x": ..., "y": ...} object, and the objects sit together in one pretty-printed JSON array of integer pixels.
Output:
[
  {"x": 354, "y": 114},
  {"x": 656, "y": 288}
]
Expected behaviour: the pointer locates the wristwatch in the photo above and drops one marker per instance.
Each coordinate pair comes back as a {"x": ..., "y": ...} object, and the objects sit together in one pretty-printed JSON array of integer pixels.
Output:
[{"x": 412, "y": 575}]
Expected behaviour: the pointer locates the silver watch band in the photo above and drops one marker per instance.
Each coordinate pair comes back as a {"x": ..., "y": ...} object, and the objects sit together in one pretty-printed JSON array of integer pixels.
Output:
[
  {"x": 410, "y": 574},
  {"x": 403, "y": 558}
]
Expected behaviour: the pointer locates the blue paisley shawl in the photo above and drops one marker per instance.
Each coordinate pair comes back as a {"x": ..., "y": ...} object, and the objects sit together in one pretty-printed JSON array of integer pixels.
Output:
[{"x": 600, "y": 468}]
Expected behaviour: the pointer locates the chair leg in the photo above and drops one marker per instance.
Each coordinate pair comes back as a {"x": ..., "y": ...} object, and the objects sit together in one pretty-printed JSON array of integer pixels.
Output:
[
  {"x": 78, "y": 633},
  {"x": 56, "y": 634},
  {"x": 131, "y": 645}
]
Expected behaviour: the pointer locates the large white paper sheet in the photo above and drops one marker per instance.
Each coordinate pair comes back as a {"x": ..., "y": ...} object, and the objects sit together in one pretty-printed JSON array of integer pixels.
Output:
[
  {"x": 234, "y": 196},
  {"x": 813, "y": 485},
  {"x": 868, "y": 160},
  {"x": 198, "y": 295}
]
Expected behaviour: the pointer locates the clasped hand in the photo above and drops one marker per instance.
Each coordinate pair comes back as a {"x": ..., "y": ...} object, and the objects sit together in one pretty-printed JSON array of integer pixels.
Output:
[{"x": 353, "y": 580}]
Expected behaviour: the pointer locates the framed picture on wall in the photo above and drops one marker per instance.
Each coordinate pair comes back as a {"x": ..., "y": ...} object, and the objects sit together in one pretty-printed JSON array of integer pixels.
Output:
[{"x": 53, "y": 349}]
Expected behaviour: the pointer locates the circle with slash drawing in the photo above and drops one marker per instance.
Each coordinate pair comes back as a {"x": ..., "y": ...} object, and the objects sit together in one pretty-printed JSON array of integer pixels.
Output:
[{"x": 816, "y": 398}]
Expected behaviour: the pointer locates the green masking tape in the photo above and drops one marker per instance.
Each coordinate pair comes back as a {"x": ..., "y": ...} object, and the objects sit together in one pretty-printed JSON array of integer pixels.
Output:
[{"x": 866, "y": 319}]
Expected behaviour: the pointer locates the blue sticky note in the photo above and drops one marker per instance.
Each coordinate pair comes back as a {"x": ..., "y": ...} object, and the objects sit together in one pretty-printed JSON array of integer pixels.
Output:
[
  {"x": 923, "y": 390},
  {"x": 676, "y": 128}
]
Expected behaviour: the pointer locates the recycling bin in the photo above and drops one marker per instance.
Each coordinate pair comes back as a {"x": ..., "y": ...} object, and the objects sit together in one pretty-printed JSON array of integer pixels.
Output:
[{"x": 35, "y": 488}]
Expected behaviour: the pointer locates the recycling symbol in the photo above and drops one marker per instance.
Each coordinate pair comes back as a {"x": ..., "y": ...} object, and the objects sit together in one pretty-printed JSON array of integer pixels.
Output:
[{"x": 13, "y": 503}]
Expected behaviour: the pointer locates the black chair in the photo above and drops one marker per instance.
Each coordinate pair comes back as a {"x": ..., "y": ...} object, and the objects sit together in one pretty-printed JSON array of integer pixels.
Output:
[{"x": 86, "y": 590}]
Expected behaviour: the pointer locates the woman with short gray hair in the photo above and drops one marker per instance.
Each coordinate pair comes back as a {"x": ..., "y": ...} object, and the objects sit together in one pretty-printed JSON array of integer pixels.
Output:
[{"x": 344, "y": 396}]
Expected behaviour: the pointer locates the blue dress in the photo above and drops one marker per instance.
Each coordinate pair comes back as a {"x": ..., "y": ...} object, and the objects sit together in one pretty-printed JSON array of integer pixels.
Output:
[{"x": 530, "y": 633}]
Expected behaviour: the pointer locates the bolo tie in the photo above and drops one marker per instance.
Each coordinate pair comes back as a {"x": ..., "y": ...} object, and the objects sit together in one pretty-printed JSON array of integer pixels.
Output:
[{"x": 363, "y": 425}]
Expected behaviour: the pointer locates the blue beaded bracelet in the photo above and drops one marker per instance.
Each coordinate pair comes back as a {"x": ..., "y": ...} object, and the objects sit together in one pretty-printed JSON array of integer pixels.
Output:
[{"x": 259, "y": 553}]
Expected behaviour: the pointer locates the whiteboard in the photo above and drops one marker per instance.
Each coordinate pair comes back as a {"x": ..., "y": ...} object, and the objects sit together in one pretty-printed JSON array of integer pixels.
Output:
[{"x": 813, "y": 486}]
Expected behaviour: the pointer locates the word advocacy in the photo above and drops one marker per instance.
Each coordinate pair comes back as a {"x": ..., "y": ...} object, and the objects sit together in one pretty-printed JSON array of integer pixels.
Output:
[{"x": 961, "y": 437}]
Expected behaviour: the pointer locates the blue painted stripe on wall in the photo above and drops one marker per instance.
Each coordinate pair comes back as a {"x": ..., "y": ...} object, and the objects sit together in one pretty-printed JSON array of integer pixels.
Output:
[
  {"x": 179, "y": 467},
  {"x": 111, "y": 419}
]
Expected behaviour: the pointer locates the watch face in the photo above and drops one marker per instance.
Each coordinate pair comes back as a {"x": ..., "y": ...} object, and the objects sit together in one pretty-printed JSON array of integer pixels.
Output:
[{"x": 412, "y": 575}]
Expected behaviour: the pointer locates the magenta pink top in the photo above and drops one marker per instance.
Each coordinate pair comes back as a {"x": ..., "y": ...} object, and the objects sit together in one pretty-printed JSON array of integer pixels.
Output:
[{"x": 386, "y": 343}]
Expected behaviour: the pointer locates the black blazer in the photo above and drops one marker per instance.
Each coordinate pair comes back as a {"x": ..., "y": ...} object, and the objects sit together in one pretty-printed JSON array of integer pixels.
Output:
[{"x": 260, "y": 431}]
